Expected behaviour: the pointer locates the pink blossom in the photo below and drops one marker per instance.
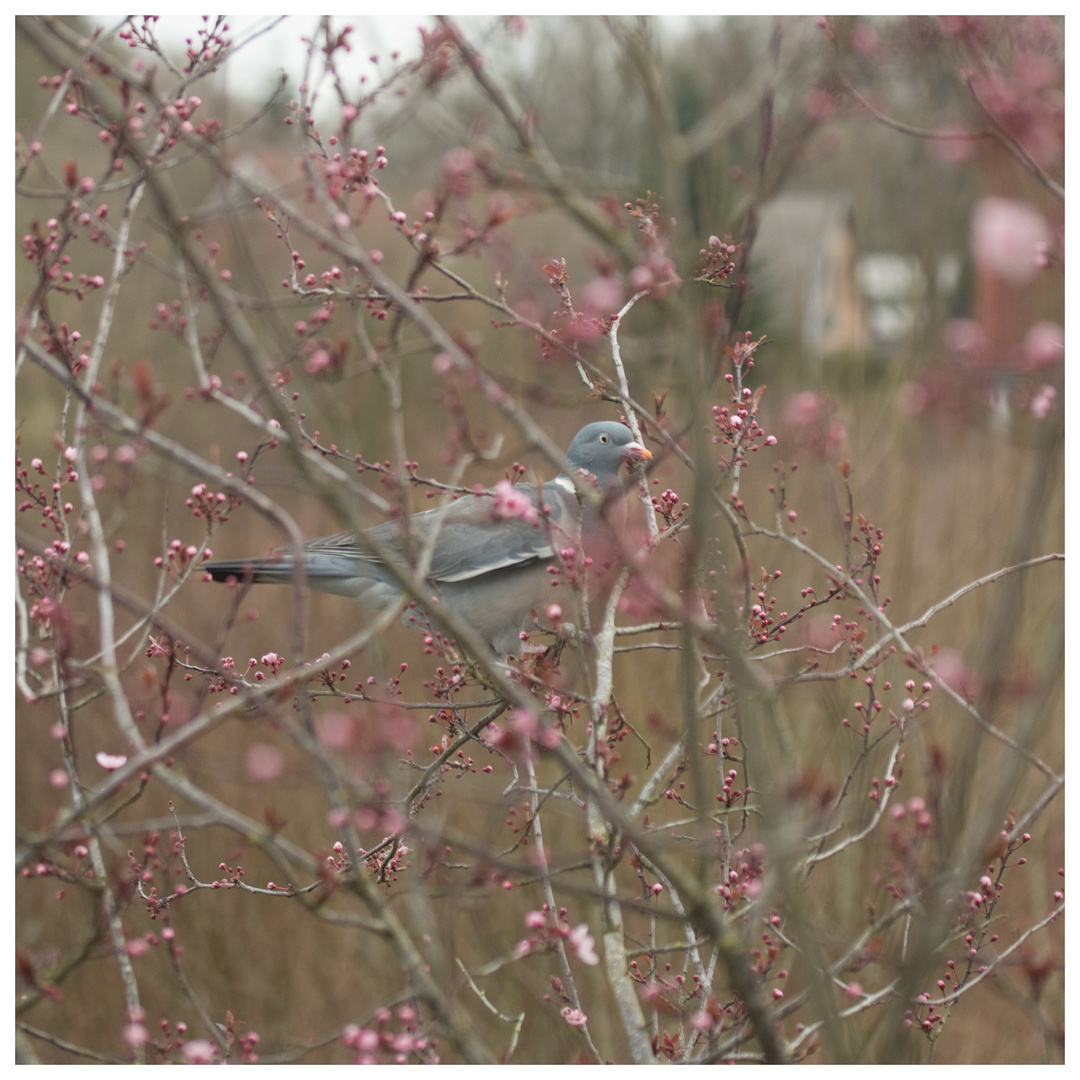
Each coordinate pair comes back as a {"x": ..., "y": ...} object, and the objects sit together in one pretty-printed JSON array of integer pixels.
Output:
[
  {"x": 1006, "y": 236},
  {"x": 335, "y": 729},
  {"x": 263, "y": 761},
  {"x": 802, "y": 408},
  {"x": 528, "y": 310},
  {"x": 574, "y": 1017},
  {"x": 863, "y": 39},
  {"x": 58, "y": 778},
  {"x": 527, "y": 723},
  {"x": 198, "y": 1052},
  {"x": 583, "y": 944},
  {"x": 965, "y": 337},
  {"x": 1044, "y": 344},
  {"x": 394, "y": 824},
  {"x": 110, "y": 761},
  {"x": 458, "y": 163},
  {"x": 317, "y": 361},
  {"x": 136, "y": 1035},
  {"x": 358, "y": 1038},
  {"x": 511, "y": 503},
  {"x": 1043, "y": 401},
  {"x": 819, "y": 103},
  {"x": 955, "y": 674},
  {"x": 912, "y": 398},
  {"x": 807, "y": 418},
  {"x": 655, "y": 275},
  {"x": 601, "y": 296}
]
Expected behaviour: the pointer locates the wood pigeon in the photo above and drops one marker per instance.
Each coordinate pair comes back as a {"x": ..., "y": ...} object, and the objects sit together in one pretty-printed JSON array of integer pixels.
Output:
[{"x": 492, "y": 551}]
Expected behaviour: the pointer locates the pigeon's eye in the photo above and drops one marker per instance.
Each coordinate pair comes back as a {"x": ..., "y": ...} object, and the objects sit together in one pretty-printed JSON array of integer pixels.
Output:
[{"x": 604, "y": 439}]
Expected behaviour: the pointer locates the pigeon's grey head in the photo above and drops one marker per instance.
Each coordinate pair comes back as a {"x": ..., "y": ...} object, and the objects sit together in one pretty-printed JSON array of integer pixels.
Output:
[{"x": 602, "y": 449}]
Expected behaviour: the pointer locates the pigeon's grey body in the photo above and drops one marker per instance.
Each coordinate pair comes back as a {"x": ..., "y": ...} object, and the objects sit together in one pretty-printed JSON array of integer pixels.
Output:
[{"x": 490, "y": 559}]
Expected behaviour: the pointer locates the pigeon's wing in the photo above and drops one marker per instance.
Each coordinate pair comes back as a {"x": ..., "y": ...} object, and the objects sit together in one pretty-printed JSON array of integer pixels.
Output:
[{"x": 470, "y": 540}]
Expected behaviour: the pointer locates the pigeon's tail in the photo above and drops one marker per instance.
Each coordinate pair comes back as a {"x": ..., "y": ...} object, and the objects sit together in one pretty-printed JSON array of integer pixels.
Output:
[
  {"x": 277, "y": 570},
  {"x": 340, "y": 574}
]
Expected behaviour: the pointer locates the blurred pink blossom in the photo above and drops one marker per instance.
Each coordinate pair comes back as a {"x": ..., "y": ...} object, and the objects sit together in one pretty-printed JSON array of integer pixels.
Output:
[
  {"x": 334, "y": 729},
  {"x": 966, "y": 338},
  {"x": 1043, "y": 402},
  {"x": 1007, "y": 236},
  {"x": 526, "y": 723},
  {"x": 912, "y": 398},
  {"x": 199, "y": 1052},
  {"x": 263, "y": 761},
  {"x": 819, "y": 103},
  {"x": 317, "y": 361},
  {"x": 809, "y": 421},
  {"x": 458, "y": 164},
  {"x": 1044, "y": 344},
  {"x": 655, "y": 275},
  {"x": 956, "y": 675},
  {"x": 802, "y": 409},
  {"x": 136, "y": 1035},
  {"x": 583, "y": 944},
  {"x": 864, "y": 39},
  {"x": 602, "y": 296}
]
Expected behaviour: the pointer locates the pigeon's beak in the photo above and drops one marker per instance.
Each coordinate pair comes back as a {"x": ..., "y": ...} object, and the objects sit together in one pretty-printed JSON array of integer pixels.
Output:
[{"x": 636, "y": 452}]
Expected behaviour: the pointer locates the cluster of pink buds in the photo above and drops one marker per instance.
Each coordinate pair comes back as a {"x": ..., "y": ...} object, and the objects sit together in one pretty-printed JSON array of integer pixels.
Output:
[
  {"x": 211, "y": 506},
  {"x": 179, "y": 557},
  {"x": 44, "y": 494},
  {"x": 718, "y": 262},
  {"x": 547, "y": 928},
  {"x": 667, "y": 506},
  {"x": 764, "y": 621},
  {"x": 744, "y": 876},
  {"x": 352, "y": 170},
  {"x": 379, "y": 1043},
  {"x": 737, "y": 427}
]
